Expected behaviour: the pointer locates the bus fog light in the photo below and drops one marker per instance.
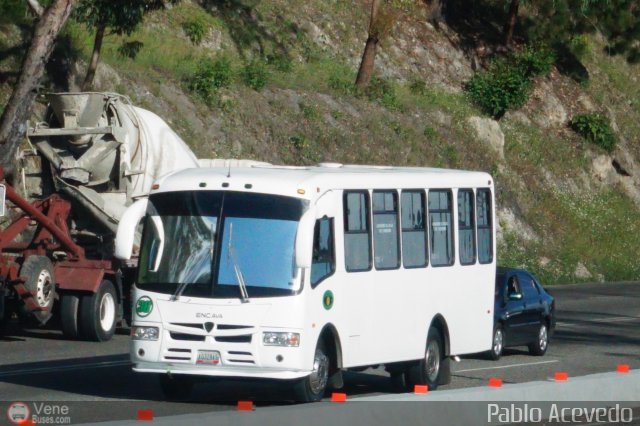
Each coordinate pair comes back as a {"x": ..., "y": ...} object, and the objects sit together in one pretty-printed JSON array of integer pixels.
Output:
[
  {"x": 140, "y": 352},
  {"x": 144, "y": 333},
  {"x": 273, "y": 338}
]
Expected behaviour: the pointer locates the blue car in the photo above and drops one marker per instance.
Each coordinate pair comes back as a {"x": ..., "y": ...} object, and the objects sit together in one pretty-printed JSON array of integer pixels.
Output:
[{"x": 524, "y": 313}]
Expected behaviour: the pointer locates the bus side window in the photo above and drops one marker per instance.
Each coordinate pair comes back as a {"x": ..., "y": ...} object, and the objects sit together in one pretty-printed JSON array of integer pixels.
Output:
[
  {"x": 485, "y": 230},
  {"x": 357, "y": 231},
  {"x": 441, "y": 229},
  {"x": 323, "y": 263},
  {"x": 386, "y": 246},
  {"x": 414, "y": 229},
  {"x": 466, "y": 228}
]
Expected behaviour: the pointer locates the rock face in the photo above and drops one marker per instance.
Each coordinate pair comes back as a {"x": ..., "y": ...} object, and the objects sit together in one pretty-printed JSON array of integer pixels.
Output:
[
  {"x": 582, "y": 272},
  {"x": 489, "y": 132}
]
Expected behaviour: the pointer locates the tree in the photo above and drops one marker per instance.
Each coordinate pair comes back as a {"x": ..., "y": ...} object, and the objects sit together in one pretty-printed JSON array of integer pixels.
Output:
[
  {"x": 381, "y": 22},
  {"x": 120, "y": 17},
  {"x": 17, "y": 109},
  {"x": 510, "y": 25}
]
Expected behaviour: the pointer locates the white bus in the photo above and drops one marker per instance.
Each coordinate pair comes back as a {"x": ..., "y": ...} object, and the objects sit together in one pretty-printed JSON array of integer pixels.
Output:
[{"x": 297, "y": 273}]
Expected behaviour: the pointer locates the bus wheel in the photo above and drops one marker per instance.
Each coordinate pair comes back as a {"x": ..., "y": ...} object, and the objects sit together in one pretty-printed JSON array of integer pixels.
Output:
[
  {"x": 313, "y": 387},
  {"x": 41, "y": 283},
  {"x": 176, "y": 387},
  {"x": 98, "y": 312},
  {"x": 69, "y": 315},
  {"x": 429, "y": 369}
]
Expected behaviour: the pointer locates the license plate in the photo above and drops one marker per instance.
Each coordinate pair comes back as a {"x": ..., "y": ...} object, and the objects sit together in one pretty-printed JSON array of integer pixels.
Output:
[{"x": 208, "y": 357}]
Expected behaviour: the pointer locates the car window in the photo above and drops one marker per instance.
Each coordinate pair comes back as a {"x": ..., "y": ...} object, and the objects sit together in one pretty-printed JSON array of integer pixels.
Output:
[
  {"x": 528, "y": 286},
  {"x": 513, "y": 286}
]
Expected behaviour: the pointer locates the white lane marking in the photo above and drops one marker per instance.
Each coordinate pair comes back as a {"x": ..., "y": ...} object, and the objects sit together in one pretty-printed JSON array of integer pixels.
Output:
[
  {"x": 27, "y": 371},
  {"x": 507, "y": 366},
  {"x": 590, "y": 321}
]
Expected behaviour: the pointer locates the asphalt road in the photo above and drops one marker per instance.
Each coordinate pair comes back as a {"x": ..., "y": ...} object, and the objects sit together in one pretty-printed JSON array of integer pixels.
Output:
[{"x": 598, "y": 328}]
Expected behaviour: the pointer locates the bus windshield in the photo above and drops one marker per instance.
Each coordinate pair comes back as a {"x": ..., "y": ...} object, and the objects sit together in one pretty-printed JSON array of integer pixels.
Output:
[{"x": 207, "y": 240}]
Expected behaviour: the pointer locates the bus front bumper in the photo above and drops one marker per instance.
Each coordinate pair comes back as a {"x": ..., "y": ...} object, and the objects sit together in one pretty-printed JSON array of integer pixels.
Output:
[{"x": 218, "y": 371}]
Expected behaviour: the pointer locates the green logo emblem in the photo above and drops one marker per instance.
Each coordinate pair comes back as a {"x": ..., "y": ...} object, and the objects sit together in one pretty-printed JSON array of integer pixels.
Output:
[
  {"x": 327, "y": 300},
  {"x": 144, "y": 306}
]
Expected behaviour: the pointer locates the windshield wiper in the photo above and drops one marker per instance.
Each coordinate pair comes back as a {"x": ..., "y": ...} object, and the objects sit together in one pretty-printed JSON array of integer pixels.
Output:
[
  {"x": 244, "y": 295},
  {"x": 179, "y": 291}
]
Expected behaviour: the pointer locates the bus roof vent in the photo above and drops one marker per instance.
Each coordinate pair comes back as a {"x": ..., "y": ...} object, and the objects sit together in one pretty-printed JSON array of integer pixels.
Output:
[{"x": 330, "y": 165}]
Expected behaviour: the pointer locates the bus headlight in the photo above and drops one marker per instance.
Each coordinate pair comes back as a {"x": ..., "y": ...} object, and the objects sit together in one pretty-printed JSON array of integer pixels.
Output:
[
  {"x": 276, "y": 338},
  {"x": 144, "y": 333}
]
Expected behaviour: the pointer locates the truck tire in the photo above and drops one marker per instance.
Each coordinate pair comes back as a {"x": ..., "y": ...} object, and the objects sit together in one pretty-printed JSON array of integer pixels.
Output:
[
  {"x": 41, "y": 283},
  {"x": 98, "y": 313},
  {"x": 69, "y": 303}
]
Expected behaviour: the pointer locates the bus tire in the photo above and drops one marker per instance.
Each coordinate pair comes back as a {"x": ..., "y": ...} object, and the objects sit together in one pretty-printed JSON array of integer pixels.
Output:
[
  {"x": 399, "y": 382},
  {"x": 428, "y": 370},
  {"x": 41, "y": 284},
  {"x": 98, "y": 313},
  {"x": 69, "y": 303},
  {"x": 312, "y": 387},
  {"x": 176, "y": 387}
]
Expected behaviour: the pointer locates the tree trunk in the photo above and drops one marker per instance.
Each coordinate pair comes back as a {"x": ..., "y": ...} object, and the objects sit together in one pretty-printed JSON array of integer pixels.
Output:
[
  {"x": 366, "y": 65},
  {"x": 369, "y": 55},
  {"x": 510, "y": 25},
  {"x": 95, "y": 57},
  {"x": 16, "y": 112}
]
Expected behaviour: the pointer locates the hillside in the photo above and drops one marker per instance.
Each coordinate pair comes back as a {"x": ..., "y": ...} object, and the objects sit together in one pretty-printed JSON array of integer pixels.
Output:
[{"x": 568, "y": 210}]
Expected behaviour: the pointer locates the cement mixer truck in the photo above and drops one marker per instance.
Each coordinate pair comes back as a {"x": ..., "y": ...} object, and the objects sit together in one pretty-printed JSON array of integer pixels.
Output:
[{"x": 97, "y": 154}]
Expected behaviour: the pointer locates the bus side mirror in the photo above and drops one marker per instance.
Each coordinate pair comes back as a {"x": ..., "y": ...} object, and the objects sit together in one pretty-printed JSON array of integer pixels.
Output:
[
  {"x": 127, "y": 228},
  {"x": 304, "y": 239},
  {"x": 3, "y": 192}
]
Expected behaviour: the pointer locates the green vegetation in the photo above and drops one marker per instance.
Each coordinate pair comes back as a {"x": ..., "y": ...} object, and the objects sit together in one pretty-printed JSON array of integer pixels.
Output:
[
  {"x": 507, "y": 83},
  {"x": 596, "y": 129},
  {"x": 210, "y": 76},
  {"x": 311, "y": 111},
  {"x": 255, "y": 75},
  {"x": 195, "y": 29},
  {"x": 500, "y": 88}
]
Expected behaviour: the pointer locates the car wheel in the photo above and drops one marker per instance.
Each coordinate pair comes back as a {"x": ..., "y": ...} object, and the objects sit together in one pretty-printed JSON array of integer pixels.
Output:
[
  {"x": 176, "y": 387},
  {"x": 429, "y": 369},
  {"x": 539, "y": 347},
  {"x": 313, "y": 387},
  {"x": 497, "y": 343}
]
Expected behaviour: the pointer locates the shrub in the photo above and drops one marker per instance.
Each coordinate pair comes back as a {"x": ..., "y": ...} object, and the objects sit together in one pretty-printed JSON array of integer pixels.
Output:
[
  {"x": 255, "y": 75},
  {"x": 418, "y": 87},
  {"x": 383, "y": 92},
  {"x": 195, "y": 30},
  {"x": 341, "y": 83},
  {"x": 579, "y": 45},
  {"x": 130, "y": 49},
  {"x": 535, "y": 60},
  {"x": 596, "y": 129},
  {"x": 503, "y": 86},
  {"x": 211, "y": 75}
]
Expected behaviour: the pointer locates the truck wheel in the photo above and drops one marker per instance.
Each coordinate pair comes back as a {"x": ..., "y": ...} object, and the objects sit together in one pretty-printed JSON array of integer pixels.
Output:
[
  {"x": 97, "y": 319},
  {"x": 69, "y": 315},
  {"x": 41, "y": 283},
  {"x": 176, "y": 387},
  {"x": 313, "y": 387},
  {"x": 429, "y": 370}
]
